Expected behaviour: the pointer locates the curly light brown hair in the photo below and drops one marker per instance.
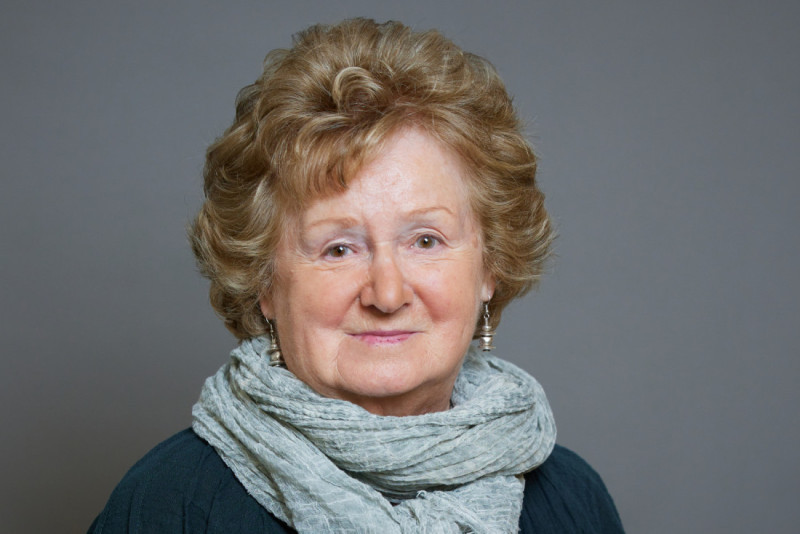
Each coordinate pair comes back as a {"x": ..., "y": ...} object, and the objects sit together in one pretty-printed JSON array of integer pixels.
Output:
[{"x": 322, "y": 109}]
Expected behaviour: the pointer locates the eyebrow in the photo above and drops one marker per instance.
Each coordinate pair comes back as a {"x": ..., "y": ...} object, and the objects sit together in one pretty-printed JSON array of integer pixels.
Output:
[
  {"x": 424, "y": 211},
  {"x": 342, "y": 222}
]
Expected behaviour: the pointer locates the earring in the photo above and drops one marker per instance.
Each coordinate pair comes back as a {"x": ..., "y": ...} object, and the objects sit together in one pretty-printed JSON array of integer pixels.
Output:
[
  {"x": 274, "y": 351},
  {"x": 487, "y": 333}
]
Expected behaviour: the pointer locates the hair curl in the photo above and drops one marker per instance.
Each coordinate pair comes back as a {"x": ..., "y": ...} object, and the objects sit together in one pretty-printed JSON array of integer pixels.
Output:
[{"x": 319, "y": 111}]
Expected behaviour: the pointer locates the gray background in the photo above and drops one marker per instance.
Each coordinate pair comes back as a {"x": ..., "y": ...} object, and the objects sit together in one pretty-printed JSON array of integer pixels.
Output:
[{"x": 666, "y": 334}]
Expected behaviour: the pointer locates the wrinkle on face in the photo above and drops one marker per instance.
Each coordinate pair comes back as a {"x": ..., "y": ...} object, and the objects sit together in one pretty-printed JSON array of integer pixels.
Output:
[{"x": 354, "y": 271}]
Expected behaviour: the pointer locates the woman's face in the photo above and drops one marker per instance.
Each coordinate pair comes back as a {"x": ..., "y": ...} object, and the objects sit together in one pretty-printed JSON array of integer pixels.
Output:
[{"x": 378, "y": 290}]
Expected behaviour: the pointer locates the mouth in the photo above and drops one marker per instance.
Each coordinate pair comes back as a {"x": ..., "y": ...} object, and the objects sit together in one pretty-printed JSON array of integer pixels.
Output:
[{"x": 383, "y": 337}]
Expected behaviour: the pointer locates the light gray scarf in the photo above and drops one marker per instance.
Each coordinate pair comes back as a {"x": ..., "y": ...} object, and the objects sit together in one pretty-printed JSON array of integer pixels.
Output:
[{"x": 327, "y": 465}]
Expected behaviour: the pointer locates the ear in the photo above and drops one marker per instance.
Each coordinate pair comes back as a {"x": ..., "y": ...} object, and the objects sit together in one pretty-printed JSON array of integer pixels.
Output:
[
  {"x": 265, "y": 303},
  {"x": 487, "y": 287}
]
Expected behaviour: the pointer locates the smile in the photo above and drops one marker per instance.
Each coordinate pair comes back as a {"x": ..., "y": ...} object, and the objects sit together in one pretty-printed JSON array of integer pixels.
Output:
[{"x": 383, "y": 337}]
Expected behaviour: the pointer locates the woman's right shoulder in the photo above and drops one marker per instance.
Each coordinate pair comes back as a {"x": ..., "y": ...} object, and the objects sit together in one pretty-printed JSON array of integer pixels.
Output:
[{"x": 182, "y": 485}]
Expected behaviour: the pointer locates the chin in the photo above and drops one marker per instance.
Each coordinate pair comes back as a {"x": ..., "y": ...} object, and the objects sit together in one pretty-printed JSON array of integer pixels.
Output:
[
  {"x": 395, "y": 392},
  {"x": 386, "y": 383}
]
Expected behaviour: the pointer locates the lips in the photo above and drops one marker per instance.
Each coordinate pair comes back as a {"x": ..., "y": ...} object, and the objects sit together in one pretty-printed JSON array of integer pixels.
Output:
[{"x": 384, "y": 337}]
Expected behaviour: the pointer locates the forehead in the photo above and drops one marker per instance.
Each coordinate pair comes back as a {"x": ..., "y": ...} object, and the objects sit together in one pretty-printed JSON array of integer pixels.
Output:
[{"x": 411, "y": 172}]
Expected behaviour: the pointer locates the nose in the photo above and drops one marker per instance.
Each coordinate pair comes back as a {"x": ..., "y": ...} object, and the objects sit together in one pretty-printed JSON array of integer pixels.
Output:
[{"x": 386, "y": 288}]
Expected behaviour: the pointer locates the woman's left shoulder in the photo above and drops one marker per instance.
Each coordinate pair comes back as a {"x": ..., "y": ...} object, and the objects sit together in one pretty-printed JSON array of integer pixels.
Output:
[{"x": 565, "y": 495}]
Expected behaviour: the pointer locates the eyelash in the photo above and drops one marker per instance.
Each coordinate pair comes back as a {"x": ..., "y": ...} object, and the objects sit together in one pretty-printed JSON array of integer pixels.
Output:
[
  {"x": 330, "y": 251},
  {"x": 340, "y": 250}
]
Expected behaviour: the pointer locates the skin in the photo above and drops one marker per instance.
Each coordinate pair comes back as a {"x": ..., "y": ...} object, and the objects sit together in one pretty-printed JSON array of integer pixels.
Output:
[{"x": 377, "y": 293}]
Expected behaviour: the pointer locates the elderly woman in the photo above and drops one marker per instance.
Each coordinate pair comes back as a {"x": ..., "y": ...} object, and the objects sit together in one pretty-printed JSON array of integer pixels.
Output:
[{"x": 370, "y": 212}]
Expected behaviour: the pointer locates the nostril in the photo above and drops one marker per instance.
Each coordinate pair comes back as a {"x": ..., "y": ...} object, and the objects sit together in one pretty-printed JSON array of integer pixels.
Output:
[{"x": 386, "y": 288}]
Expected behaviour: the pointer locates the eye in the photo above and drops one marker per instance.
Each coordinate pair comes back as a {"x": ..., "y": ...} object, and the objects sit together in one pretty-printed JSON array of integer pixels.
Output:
[
  {"x": 338, "y": 251},
  {"x": 426, "y": 242}
]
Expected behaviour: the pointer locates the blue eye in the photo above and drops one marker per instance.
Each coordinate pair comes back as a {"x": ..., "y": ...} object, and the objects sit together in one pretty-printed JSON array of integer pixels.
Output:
[
  {"x": 337, "y": 251},
  {"x": 426, "y": 242}
]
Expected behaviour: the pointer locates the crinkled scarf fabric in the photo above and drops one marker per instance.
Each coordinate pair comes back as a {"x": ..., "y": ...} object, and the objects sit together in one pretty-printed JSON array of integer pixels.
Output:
[{"x": 327, "y": 465}]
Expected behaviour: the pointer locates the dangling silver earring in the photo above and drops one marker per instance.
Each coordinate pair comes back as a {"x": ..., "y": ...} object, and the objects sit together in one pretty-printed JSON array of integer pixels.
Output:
[
  {"x": 274, "y": 351},
  {"x": 487, "y": 333}
]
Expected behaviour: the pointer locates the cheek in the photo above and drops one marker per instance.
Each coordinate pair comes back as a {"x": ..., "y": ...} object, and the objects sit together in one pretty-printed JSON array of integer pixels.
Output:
[
  {"x": 317, "y": 299},
  {"x": 313, "y": 308},
  {"x": 452, "y": 292}
]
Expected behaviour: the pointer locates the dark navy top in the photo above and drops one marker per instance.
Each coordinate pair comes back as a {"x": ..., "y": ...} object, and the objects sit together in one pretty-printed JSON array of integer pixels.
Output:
[{"x": 183, "y": 486}]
